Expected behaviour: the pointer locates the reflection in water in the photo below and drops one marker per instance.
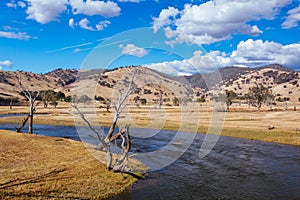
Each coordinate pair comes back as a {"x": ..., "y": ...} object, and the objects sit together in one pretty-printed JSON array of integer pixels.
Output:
[{"x": 234, "y": 169}]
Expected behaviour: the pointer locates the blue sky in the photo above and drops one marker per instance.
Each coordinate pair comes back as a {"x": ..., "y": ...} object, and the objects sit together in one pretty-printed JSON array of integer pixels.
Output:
[{"x": 175, "y": 37}]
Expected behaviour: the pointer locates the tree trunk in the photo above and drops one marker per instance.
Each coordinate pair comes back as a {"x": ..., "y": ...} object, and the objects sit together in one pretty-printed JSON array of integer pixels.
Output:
[
  {"x": 31, "y": 116},
  {"x": 285, "y": 105},
  {"x": 30, "y": 124},
  {"x": 271, "y": 105},
  {"x": 108, "y": 158}
]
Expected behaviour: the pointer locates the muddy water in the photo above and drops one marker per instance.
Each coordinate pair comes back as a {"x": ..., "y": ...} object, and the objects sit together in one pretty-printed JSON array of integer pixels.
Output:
[{"x": 234, "y": 169}]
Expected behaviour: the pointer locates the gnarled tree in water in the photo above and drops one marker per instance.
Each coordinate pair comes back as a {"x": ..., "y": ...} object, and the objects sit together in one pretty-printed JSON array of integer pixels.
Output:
[
  {"x": 120, "y": 164},
  {"x": 31, "y": 97}
]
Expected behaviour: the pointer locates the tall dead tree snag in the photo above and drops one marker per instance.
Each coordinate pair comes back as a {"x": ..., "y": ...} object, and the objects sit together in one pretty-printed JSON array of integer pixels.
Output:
[
  {"x": 31, "y": 97},
  {"x": 120, "y": 138}
]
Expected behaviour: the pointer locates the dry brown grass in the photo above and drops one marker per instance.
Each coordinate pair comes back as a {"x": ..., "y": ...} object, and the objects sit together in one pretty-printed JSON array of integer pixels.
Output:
[
  {"x": 41, "y": 167},
  {"x": 239, "y": 122}
]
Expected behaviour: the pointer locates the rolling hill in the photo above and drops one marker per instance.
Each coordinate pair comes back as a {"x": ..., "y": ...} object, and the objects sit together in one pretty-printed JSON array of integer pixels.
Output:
[{"x": 151, "y": 85}]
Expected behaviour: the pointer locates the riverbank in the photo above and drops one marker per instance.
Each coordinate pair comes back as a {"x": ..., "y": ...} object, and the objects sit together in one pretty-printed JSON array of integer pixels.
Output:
[
  {"x": 268, "y": 126},
  {"x": 33, "y": 166}
]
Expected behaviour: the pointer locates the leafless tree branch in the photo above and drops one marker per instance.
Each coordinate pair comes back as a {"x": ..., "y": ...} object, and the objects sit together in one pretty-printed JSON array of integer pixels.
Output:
[{"x": 121, "y": 164}]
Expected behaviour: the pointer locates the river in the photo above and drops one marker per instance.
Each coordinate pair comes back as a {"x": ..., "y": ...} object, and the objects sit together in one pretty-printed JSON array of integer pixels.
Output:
[{"x": 234, "y": 169}]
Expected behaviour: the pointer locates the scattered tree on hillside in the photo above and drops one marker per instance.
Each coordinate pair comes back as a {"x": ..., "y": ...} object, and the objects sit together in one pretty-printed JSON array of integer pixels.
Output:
[
  {"x": 136, "y": 100},
  {"x": 201, "y": 99},
  {"x": 230, "y": 95},
  {"x": 175, "y": 101},
  {"x": 53, "y": 102},
  {"x": 60, "y": 96},
  {"x": 51, "y": 97},
  {"x": 143, "y": 101},
  {"x": 46, "y": 96},
  {"x": 258, "y": 95},
  {"x": 68, "y": 99}
]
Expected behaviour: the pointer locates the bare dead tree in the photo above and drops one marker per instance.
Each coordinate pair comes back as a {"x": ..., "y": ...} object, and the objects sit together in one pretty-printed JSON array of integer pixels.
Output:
[
  {"x": 10, "y": 104},
  {"x": 108, "y": 105},
  {"x": 285, "y": 105},
  {"x": 31, "y": 97},
  {"x": 120, "y": 164},
  {"x": 160, "y": 99}
]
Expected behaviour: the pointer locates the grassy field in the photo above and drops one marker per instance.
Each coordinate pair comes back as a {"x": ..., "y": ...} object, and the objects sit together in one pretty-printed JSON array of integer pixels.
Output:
[
  {"x": 44, "y": 167},
  {"x": 241, "y": 123},
  {"x": 41, "y": 167}
]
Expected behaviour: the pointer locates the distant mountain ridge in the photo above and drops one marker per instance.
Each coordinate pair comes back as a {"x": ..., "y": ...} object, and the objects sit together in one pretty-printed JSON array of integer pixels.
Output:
[
  {"x": 227, "y": 73},
  {"x": 151, "y": 84}
]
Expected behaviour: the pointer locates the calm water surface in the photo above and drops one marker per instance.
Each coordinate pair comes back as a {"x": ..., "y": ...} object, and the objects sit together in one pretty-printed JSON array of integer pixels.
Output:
[{"x": 234, "y": 169}]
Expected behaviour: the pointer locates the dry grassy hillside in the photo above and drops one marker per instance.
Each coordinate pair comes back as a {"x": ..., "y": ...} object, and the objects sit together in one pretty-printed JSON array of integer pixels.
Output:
[
  {"x": 152, "y": 86},
  {"x": 56, "y": 80},
  {"x": 284, "y": 84}
]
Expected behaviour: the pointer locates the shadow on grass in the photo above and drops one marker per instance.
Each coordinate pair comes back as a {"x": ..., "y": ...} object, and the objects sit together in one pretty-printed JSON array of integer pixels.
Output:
[{"x": 18, "y": 181}]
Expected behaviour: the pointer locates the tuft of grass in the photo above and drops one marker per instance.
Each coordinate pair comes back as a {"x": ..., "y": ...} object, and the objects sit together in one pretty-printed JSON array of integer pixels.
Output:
[{"x": 42, "y": 167}]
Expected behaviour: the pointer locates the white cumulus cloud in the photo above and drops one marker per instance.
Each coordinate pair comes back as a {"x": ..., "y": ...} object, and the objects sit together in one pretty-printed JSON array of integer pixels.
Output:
[
  {"x": 131, "y": 49},
  {"x": 84, "y": 24},
  {"x": 248, "y": 53},
  {"x": 199, "y": 62},
  {"x": 95, "y": 7},
  {"x": 13, "y": 35},
  {"x": 45, "y": 11},
  {"x": 102, "y": 25},
  {"x": 21, "y": 4},
  {"x": 11, "y": 5},
  {"x": 15, "y": 5},
  {"x": 216, "y": 20},
  {"x": 293, "y": 18},
  {"x": 5, "y": 63},
  {"x": 258, "y": 52},
  {"x": 71, "y": 23},
  {"x": 165, "y": 17}
]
